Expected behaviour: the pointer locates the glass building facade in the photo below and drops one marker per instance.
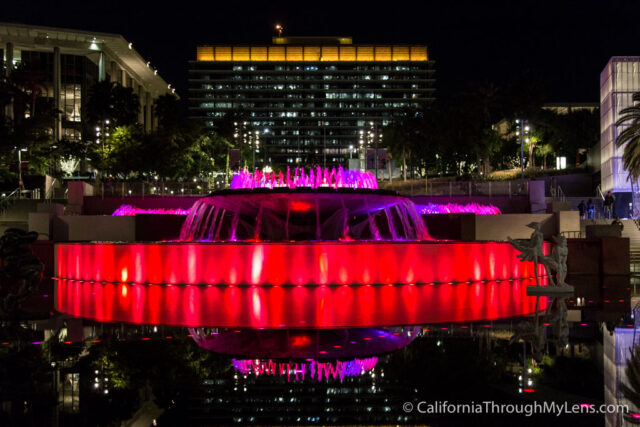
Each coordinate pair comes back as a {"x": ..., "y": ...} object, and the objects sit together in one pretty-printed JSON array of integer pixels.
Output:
[
  {"x": 65, "y": 63},
  {"x": 308, "y": 101},
  {"x": 78, "y": 74},
  {"x": 618, "y": 81}
]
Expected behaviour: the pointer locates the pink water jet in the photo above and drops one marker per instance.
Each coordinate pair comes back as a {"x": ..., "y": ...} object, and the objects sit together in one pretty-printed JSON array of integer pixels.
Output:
[{"x": 314, "y": 178}]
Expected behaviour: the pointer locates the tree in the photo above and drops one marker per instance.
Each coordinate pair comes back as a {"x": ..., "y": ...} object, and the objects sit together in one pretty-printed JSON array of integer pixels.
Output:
[
  {"x": 400, "y": 137},
  {"x": 629, "y": 138},
  {"x": 113, "y": 102},
  {"x": 22, "y": 125},
  {"x": 543, "y": 151},
  {"x": 167, "y": 109}
]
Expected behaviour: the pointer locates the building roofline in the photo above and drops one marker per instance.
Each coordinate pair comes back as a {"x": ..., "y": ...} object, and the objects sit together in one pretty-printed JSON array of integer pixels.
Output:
[{"x": 85, "y": 42}]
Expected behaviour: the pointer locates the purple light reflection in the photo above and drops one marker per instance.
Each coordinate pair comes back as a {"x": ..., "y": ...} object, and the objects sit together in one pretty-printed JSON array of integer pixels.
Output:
[
  {"x": 433, "y": 208},
  {"x": 128, "y": 210}
]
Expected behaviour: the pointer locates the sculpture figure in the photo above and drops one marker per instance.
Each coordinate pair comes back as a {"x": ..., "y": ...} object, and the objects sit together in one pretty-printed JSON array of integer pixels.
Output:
[
  {"x": 557, "y": 262},
  {"x": 531, "y": 250}
]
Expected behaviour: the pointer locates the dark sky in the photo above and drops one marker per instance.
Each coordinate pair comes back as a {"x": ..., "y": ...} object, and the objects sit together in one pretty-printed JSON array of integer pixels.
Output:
[{"x": 564, "y": 43}]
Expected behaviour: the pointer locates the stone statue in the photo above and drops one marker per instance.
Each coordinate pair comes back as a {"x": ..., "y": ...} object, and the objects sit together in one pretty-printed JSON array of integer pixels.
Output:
[
  {"x": 557, "y": 262},
  {"x": 558, "y": 320},
  {"x": 531, "y": 250}
]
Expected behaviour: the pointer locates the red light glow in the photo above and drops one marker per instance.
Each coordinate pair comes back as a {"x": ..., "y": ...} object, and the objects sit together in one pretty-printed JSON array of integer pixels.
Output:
[
  {"x": 295, "y": 306},
  {"x": 304, "y": 263}
]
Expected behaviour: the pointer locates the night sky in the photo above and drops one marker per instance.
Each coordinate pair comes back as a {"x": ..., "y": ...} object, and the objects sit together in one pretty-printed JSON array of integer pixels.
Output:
[{"x": 564, "y": 43}]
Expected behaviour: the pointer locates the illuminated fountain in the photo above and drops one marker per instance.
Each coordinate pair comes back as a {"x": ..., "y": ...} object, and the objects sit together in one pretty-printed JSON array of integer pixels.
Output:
[
  {"x": 308, "y": 250},
  {"x": 336, "y": 205}
]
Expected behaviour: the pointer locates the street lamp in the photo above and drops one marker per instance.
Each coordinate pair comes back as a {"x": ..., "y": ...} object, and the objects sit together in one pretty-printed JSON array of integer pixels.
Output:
[
  {"x": 362, "y": 152},
  {"x": 522, "y": 129},
  {"x": 351, "y": 152},
  {"x": 374, "y": 136},
  {"x": 20, "y": 183},
  {"x": 255, "y": 148}
]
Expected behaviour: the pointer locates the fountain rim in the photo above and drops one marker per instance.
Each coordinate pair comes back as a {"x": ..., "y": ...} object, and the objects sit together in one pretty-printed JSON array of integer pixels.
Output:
[
  {"x": 303, "y": 190},
  {"x": 284, "y": 242}
]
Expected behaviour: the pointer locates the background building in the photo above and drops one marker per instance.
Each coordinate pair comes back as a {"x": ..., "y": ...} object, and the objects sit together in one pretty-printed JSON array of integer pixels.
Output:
[
  {"x": 618, "y": 81},
  {"x": 308, "y": 100},
  {"x": 71, "y": 61}
]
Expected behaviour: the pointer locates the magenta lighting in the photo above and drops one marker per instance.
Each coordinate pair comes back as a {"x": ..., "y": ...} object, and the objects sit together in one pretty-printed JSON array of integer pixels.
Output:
[
  {"x": 433, "y": 208},
  {"x": 128, "y": 210},
  {"x": 313, "y": 368},
  {"x": 317, "y": 178}
]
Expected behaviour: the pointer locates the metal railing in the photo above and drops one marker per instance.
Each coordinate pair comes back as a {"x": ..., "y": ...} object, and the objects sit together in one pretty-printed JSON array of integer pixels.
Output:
[
  {"x": 558, "y": 194},
  {"x": 7, "y": 199},
  {"x": 579, "y": 234},
  {"x": 458, "y": 188},
  {"x": 154, "y": 188}
]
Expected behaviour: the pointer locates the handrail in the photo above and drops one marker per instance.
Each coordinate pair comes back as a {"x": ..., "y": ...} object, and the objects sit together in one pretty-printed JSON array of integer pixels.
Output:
[
  {"x": 5, "y": 200},
  {"x": 579, "y": 234},
  {"x": 599, "y": 191},
  {"x": 51, "y": 190}
]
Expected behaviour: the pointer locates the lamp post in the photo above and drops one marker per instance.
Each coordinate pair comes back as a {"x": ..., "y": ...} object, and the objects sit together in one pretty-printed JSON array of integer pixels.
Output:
[
  {"x": 20, "y": 183},
  {"x": 374, "y": 135},
  {"x": 362, "y": 154},
  {"x": 350, "y": 152},
  {"x": 255, "y": 148},
  {"x": 324, "y": 145},
  {"x": 265, "y": 132},
  {"x": 522, "y": 129}
]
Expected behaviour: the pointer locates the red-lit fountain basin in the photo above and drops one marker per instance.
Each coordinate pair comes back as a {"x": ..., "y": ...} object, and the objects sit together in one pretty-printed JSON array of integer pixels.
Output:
[
  {"x": 294, "y": 263},
  {"x": 295, "y": 285}
]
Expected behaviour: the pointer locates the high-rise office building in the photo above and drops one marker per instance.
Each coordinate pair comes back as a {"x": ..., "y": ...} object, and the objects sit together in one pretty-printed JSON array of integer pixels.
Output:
[
  {"x": 618, "y": 81},
  {"x": 308, "y": 100}
]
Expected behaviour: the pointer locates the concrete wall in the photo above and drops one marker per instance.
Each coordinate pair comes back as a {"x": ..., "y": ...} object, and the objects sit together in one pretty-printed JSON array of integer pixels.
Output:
[
  {"x": 568, "y": 221},
  {"x": 94, "y": 227},
  {"x": 498, "y": 227},
  {"x": 42, "y": 223},
  {"x": 576, "y": 185},
  {"x": 77, "y": 190},
  {"x": 536, "y": 197},
  {"x": 19, "y": 210}
]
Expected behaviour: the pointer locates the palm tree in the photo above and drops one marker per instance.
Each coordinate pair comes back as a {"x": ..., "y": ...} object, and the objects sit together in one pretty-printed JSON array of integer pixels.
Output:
[{"x": 630, "y": 137}]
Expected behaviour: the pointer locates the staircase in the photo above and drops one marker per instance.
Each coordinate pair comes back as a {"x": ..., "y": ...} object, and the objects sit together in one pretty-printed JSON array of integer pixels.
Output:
[
  {"x": 630, "y": 230},
  {"x": 575, "y": 201}
]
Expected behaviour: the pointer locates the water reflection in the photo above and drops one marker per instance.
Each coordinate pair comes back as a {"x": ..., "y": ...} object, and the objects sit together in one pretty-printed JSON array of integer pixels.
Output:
[
  {"x": 294, "y": 306},
  {"x": 304, "y": 343}
]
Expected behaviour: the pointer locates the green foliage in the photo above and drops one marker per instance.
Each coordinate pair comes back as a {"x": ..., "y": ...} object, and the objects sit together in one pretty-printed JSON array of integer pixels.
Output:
[
  {"x": 167, "y": 109},
  {"x": 29, "y": 125},
  {"x": 629, "y": 138},
  {"x": 168, "y": 368},
  {"x": 113, "y": 102}
]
